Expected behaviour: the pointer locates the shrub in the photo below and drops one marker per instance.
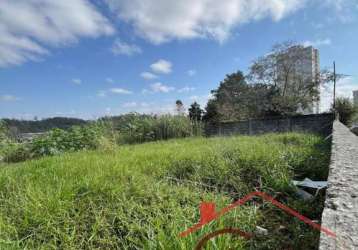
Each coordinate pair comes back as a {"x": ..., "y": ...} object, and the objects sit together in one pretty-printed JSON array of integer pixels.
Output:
[
  {"x": 3, "y": 132},
  {"x": 135, "y": 128},
  {"x": 17, "y": 152},
  {"x": 105, "y": 134},
  {"x": 58, "y": 141},
  {"x": 346, "y": 110}
]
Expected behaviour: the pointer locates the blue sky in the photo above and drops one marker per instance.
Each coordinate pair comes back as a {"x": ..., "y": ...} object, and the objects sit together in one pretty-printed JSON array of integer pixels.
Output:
[{"x": 86, "y": 59}]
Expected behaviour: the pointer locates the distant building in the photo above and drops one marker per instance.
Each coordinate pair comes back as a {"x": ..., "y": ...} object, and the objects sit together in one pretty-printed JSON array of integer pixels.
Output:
[
  {"x": 355, "y": 97},
  {"x": 300, "y": 65}
]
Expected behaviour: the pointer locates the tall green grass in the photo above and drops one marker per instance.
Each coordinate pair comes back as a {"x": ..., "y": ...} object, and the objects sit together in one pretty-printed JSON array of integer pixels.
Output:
[
  {"x": 103, "y": 133},
  {"x": 137, "y": 128},
  {"x": 142, "y": 196},
  {"x": 58, "y": 141}
]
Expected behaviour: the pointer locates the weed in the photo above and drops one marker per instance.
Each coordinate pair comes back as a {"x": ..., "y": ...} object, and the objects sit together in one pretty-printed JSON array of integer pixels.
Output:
[{"x": 126, "y": 199}]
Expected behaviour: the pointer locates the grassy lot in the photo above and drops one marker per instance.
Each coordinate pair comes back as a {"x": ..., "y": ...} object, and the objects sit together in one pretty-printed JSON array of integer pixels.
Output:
[{"x": 143, "y": 196}]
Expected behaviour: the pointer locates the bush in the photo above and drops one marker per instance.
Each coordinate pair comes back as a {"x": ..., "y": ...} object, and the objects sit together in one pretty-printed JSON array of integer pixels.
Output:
[
  {"x": 58, "y": 141},
  {"x": 135, "y": 128},
  {"x": 3, "y": 131},
  {"x": 104, "y": 134},
  {"x": 346, "y": 110},
  {"x": 5, "y": 142},
  {"x": 17, "y": 152}
]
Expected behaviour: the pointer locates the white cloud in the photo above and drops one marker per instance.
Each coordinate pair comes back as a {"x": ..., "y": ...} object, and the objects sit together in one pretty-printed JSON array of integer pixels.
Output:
[
  {"x": 163, "y": 20},
  {"x": 8, "y": 98},
  {"x": 345, "y": 10},
  {"x": 129, "y": 105},
  {"x": 191, "y": 72},
  {"x": 318, "y": 25},
  {"x": 102, "y": 93},
  {"x": 344, "y": 88},
  {"x": 202, "y": 99},
  {"x": 148, "y": 76},
  {"x": 148, "y": 108},
  {"x": 146, "y": 91},
  {"x": 69, "y": 113},
  {"x": 108, "y": 111},
  {"x": 162, "y": 67},
  {"x": 186, "y": 89},
  {"x": 29, "y": 28},
  {"x": 194, "y": 98},
  {"x": 109, "y": 80},
  {"x": 318, "y": 43},
  {"x": 77, "y": 81},
  {"x": 339, "y": 5},
  {"x": 122, "y": 48},
  {"x": 120, "y": 91},
  {"x": 160, "y": 87},
  {"x": 144, "y": 104}
]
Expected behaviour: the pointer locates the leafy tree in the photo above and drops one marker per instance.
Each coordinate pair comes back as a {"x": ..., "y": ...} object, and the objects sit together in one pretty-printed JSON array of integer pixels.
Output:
[
  {"x": 211, "y": 113},
  {"x": 229, "y": 97},
  {"x": 345, "y": 109},
  {"x": 284, "y": 68},
  {"x": 277, "y": 85},
  {"x": 235, "y": 99},
  {"x": 195, "y": 112}
]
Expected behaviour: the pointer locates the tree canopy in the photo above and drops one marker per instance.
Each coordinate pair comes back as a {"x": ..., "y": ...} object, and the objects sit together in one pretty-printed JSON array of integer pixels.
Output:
[
  {"x": 37, "y": 126},
  {"x": 235, "y": 99},
  {"x": 195, "y": 112},
  {"x": 281, "y": 83}
]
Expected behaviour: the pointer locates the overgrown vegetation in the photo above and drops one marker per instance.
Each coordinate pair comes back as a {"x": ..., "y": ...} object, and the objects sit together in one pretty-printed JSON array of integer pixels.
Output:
[
  {"x": 105, "y": 133},
  {"x": 143, "y": 196},
  {"x": 3, "y": 138},
  {"x": 56, "y": 142},
  {"x": 346, "y": 110},
  {"x": 136, "y": 128}
]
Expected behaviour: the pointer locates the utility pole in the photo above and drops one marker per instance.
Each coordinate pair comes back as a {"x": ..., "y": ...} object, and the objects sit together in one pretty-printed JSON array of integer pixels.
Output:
[{"x": 334, "y": 86}]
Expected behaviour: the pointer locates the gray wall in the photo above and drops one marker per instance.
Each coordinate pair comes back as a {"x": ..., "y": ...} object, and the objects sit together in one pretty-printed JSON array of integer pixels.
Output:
[
  {"x": 321, "y": 124},
  {"x": 340, "y": 214}
]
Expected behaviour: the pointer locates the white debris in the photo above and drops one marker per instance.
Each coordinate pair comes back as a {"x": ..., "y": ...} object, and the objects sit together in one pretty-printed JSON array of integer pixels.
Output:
[
  {"x": 261, "y": 231},
  {"x": 311, "y": 184}
]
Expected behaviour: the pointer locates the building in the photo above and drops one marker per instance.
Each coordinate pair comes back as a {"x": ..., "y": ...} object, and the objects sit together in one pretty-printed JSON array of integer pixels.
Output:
[
  {"x": 355, "y": 97},
  {"x": 297, "y": 67}
]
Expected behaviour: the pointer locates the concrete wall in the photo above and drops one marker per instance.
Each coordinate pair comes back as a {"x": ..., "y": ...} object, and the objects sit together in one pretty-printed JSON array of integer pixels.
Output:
[
  {"x": 321, "y": 123},
  {"x": 340, "y": 214}
]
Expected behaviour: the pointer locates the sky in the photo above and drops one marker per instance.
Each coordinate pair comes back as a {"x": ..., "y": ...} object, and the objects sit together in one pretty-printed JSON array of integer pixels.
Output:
[{"x": 90, "y": 58}]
